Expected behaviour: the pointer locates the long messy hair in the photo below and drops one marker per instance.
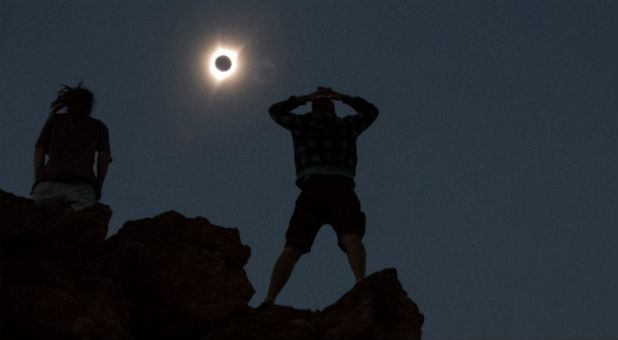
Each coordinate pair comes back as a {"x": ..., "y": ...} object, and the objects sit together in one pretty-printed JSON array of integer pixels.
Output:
[{"x": 68, "y": 95}]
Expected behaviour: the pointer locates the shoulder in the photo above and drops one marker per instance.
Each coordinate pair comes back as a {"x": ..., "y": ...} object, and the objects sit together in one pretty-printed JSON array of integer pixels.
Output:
[
  {"x": 58, "y": 117},
  {"x": 55, "y": 119},
  {"x": 97, "y": 123}
]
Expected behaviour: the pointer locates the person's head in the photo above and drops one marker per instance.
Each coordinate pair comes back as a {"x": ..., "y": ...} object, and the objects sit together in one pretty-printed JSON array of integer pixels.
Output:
[
  {"x": 77, "y": 100},
  {"x": 323, "y": 106}
]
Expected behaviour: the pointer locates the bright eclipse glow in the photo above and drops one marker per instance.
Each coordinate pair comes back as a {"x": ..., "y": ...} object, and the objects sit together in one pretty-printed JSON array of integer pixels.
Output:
[{"x": 215, "y": 72}]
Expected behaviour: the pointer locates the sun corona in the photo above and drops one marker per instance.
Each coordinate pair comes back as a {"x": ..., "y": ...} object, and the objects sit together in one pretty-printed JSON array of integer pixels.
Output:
[{"x": 223, "y": 63}]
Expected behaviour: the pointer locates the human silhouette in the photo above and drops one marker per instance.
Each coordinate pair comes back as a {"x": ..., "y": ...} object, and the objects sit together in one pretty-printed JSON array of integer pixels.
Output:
[
  {"x": 70, "y": 140},
  {"x": 325, "y": 158}
]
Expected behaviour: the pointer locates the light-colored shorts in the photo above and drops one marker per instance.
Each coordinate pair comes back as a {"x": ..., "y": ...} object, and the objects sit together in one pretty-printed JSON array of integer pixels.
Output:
[{"x": 56, "y": 194}]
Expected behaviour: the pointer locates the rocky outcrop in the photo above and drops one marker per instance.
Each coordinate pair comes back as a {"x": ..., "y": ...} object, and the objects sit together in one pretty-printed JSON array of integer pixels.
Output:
[
  {"x": 50, "y": 287},
  {"x": 162, "y": 277},
  {"x": 182, "y": 275},
  {"x": 376, "y": 308}
]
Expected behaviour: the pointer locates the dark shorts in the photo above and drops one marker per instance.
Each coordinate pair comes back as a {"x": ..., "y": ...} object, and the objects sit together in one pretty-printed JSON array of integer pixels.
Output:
[{"x": 325, "y": 200}]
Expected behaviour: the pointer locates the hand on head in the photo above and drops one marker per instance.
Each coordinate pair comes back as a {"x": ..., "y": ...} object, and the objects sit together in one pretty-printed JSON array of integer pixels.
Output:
[{"x": 324, "y": 92}]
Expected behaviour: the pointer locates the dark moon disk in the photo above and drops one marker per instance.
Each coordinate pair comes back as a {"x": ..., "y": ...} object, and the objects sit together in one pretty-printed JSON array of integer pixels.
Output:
[{"x": 223, "y": 63}]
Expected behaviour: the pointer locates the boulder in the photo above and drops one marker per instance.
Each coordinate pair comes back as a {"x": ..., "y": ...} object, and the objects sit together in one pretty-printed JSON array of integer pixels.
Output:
[
  {"x": 376, "y": 308},
  {"x": 163, "y": 277},
  {"x": 182, "y": 274},
  {"x": 49, "y": 284}
]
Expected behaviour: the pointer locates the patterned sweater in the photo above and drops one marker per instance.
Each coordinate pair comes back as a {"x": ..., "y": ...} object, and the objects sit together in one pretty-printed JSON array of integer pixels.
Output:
[{"x": 324, "y": 145}]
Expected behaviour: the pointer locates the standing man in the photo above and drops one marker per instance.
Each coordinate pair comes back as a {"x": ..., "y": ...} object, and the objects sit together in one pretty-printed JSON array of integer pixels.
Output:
[
  {"x": 70, "y": 140},
  {"x": 325, "y": 159}
]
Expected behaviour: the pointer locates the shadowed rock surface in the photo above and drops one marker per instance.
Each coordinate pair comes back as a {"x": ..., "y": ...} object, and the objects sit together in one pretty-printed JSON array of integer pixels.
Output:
[
  {"x": 376, "y": 308},
  {"x": 163, "y": 277},
  {"x": 49, "y": 282},
  {"x": 181, "y": 274}
]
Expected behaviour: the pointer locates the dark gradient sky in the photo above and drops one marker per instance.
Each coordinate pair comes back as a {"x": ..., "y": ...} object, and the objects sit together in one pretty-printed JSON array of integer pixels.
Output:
[{"x": 489, "y": 179}]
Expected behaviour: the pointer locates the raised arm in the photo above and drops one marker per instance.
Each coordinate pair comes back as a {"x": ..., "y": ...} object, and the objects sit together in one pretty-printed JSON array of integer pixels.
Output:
[
  {"x": 366, "y": 113},
  {"x": 281, "y": 112}
]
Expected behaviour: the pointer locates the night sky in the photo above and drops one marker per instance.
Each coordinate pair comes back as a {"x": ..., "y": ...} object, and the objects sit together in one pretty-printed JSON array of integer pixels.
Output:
[{"x": 489, "y": 179}]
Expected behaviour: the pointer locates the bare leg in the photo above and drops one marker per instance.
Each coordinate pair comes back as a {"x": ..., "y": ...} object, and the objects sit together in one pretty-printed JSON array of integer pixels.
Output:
[
  {"x": 281, "y": 272},
  {"x": 356, "y": 254}
]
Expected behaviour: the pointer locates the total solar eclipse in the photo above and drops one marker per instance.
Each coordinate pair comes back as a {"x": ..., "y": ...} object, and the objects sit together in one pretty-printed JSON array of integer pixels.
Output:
[{"x": 223, "y": 63}]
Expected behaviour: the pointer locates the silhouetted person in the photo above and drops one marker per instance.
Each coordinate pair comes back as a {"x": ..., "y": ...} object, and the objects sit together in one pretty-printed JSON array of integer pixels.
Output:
[
  {"x": 325, "y": 159},
  {"x": 70, "y": 140}
]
